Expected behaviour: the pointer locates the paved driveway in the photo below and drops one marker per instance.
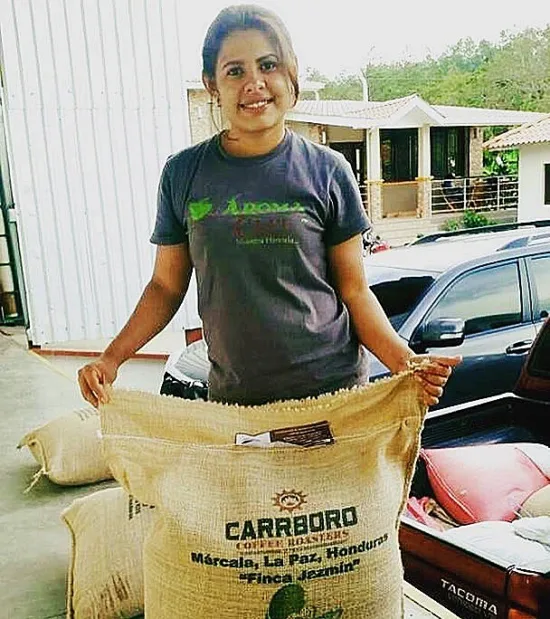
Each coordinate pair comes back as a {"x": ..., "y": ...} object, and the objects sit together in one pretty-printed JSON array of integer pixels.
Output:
[{"x": 35, "y": 543}]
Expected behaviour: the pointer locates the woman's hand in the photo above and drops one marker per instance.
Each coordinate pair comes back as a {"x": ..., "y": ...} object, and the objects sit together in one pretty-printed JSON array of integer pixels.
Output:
[
  {"x": 434, "y": 374},
  {"x": 93, "y": 379}
]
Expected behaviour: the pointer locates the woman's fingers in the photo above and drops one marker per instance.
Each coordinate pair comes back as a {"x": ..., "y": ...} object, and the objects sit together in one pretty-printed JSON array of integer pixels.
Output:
[
  {"x": 445, "y": 361},
  {"x": 93, "y": 379},
  {"x": 432, "y": 387},
  {"x": 87, "y": 393},
  {"x": 434, "y": 376}
]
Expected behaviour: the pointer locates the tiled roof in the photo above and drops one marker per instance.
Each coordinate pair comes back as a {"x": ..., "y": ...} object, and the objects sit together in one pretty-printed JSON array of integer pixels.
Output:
[
  {"x": 366, "y": 110},
  {"x": 532, "y": 133},
  {"x": 483, "y": 117},
  {"x": 375, "y": 112}
]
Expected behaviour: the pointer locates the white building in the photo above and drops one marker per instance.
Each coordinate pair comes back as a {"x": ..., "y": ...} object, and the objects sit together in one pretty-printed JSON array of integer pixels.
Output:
[
  {"x": 533, "y": 142},
  {"x": 93, "y": 100}
]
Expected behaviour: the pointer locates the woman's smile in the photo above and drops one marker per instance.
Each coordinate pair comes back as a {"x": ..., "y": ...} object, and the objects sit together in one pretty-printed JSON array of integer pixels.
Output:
[
  {"x": 256, "y": 107},
  {"x": 253, "y": 86}
]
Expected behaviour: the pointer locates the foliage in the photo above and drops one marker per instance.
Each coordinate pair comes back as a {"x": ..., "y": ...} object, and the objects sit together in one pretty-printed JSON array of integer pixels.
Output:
[
  {"x": 502, "y": 163},
  {"x": 469, "y": 219},
  {"x": 343, "y": 87},
  {"x": 472, "y": 219},
  {"x": 451, "y": 225},
  {"x": 513, "y": 73}
]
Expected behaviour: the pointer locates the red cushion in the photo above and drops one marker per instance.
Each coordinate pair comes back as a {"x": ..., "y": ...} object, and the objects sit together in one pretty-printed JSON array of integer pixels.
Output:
[{"x": 482, "y": 482}]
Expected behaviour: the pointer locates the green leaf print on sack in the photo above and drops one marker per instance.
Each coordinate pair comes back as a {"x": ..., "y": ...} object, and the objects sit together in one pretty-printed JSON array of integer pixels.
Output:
[
  {"x": 199, "y": 210},
  {"x": 331, "y": 614},
  {"x": 289, "y": 602}
]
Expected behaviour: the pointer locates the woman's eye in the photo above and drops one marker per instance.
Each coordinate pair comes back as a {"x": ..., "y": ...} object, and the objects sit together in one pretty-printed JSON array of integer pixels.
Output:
[
  {"x": 268, "y": 65},
  {"x": 234, "y": 71}
]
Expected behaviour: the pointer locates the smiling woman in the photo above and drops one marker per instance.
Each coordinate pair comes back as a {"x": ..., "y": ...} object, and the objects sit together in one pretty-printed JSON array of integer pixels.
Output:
[
  {"x": 271, "y": 223},
  {"x": 251, "y": 71}
]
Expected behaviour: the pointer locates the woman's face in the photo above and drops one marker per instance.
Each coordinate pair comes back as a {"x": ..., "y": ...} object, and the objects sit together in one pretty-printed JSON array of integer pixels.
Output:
[{"x": 253, "y": 85}]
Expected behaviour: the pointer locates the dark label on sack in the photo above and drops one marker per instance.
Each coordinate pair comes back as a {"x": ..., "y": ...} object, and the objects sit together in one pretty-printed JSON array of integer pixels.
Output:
[
  {"x": 310, "y": 435},
  {"x": 135, "y": 507}
]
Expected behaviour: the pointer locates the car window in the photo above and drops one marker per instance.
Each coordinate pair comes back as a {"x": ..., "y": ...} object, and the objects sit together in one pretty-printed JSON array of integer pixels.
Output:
[
  {"x": 487, "y": 299},
  {"x": 398, "y": 290},
  {"x": 540, "y": 268}
]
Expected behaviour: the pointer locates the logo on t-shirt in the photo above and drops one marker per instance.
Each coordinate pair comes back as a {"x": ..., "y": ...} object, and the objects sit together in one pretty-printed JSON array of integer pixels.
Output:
[
  {"x": 255, "y": 223},
  {"x": 200, "y": 209}
]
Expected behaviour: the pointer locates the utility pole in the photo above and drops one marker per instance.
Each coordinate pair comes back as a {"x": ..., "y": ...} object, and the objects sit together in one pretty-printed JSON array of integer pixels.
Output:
[{"x": 364, "y": 84}]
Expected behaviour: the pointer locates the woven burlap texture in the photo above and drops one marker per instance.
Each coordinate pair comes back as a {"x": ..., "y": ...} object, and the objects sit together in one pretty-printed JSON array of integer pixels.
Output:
[{"x": 270, "y": 533}]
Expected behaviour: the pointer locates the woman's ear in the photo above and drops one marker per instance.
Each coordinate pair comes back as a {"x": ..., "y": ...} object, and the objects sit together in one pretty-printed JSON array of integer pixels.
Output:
[{"x": 210, "y": 85}]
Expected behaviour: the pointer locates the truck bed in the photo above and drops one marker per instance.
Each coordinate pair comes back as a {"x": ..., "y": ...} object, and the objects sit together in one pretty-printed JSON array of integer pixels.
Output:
[
  {"x": 502, "y": 419},
  {"x": 447, "y": 570}
]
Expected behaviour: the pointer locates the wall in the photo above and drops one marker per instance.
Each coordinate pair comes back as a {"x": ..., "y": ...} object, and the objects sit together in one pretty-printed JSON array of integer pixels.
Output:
[
  {"x": 475, "y": 167},
  {"x": 308, "y": 130},
  {"x": 531, "y": 182},
  {"x": 94, "y": 103},
  {"x": 202, "y": 116},
  {"x": 345, "y": 134},
  {"x": 399, "y": 199}
]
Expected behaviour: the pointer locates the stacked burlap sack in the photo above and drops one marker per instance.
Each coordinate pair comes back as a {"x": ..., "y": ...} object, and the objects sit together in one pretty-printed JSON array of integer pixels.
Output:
[
  {"x": 107, "y": 528},
  {"x": 299, "y": 519},
  {"x": 105, "y": 576},
  {"x": 287, "y": 510},
  {"x": 69, "y": 449}
]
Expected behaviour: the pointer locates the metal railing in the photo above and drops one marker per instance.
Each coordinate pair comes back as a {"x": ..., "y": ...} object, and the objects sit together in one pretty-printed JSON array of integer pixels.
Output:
[
  {"x": 476, "y": 193},
  {"x": 365, "y": 195},
  {"x": 481, "y": 193}
]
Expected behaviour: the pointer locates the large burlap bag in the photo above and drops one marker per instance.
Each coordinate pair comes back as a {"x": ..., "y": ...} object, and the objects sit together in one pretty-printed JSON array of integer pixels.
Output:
[
  {"x": 272, "y": 532},
  {"x": 69, "y": 449},
  {"x": 105, "y": 577}
]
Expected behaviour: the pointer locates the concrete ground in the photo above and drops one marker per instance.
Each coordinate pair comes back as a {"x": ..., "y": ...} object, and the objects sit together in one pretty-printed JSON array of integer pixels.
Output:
[{"x": 35, "y": 543}]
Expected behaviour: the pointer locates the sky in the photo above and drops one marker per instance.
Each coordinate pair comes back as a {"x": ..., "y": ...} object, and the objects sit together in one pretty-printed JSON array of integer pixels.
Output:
[{"x": 337, "y": 36}]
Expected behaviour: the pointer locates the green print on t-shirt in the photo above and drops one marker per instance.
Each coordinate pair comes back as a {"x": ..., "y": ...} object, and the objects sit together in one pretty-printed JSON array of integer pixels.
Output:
[
  {"x": 201, "y": 208},
  {"x": 258, "y": 230},
  {"x": 260, "y": 208}
]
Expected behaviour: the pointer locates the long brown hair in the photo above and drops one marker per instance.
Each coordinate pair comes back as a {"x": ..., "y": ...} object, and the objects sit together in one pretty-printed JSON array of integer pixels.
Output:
[{"x": 249, "y": 17}]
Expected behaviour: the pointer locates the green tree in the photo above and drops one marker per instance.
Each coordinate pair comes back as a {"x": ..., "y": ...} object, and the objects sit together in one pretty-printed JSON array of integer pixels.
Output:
[
  {"x": 518, "y": 76},
  {"x": 513, "y": 73},
  {"x": 343, "y": 87}
]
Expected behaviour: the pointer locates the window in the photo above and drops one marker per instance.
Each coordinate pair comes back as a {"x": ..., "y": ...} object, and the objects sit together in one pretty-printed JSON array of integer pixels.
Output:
[
  {"x": 547, "y": 183},
  {"x": 449, "y": 151},
  {"x": 398, "y": 290},
  {"x": 354, "y": 152},
  {"x": 485, "y": 300},
  {"x": 399, "y": 154},
  {"x": 540, "y": 268}
]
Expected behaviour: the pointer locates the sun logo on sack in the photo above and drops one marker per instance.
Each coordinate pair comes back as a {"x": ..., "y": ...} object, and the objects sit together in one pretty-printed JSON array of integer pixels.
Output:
[{"x": 289, "y": 500}]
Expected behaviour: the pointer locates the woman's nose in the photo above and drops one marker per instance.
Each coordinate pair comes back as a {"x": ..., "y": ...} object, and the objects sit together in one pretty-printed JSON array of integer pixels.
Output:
[{"x": 256, "y": 81}]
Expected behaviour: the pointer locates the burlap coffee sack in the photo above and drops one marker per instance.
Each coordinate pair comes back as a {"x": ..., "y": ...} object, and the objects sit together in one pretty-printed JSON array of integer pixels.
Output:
[
  {"x": 69, "y": 449},
  {"x": 105, "y": 576},
  {"x": 257, "y": 532},
  {"x": 538, "y": 504}
]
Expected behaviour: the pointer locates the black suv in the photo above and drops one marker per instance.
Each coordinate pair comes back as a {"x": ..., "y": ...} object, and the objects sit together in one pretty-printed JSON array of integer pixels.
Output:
[{"x": 482, "y": 293}]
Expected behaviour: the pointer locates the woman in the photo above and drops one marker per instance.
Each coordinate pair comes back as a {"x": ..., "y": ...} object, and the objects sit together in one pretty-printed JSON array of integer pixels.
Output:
[{"x": 272, "y": 224}]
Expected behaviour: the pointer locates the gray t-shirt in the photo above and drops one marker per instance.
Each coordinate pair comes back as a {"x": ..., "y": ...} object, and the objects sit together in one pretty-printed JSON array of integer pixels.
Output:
[{"x": 258, "y": 229}]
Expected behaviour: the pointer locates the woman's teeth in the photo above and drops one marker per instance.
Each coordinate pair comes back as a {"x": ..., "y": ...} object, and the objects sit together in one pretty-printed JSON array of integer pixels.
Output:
[{"x": 256, "y": 105}]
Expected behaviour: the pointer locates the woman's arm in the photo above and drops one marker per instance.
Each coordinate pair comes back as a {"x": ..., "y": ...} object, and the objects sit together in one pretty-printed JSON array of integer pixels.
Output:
[
  {"x": 371, "y": 324},
  {"x": 159, "y": 302}
]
